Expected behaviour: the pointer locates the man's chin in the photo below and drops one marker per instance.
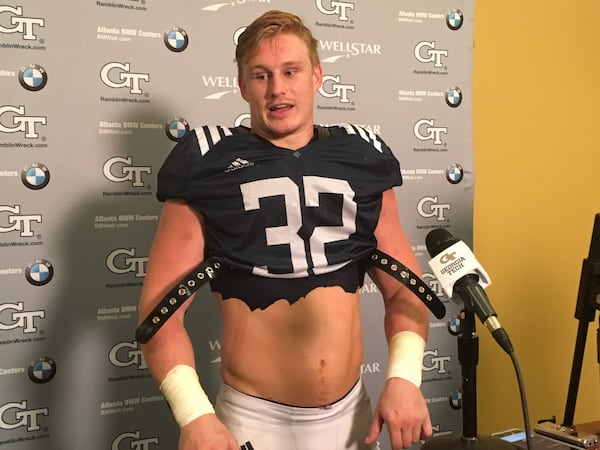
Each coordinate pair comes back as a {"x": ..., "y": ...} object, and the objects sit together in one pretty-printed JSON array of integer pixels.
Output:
[{"x": 280, "y": 129}]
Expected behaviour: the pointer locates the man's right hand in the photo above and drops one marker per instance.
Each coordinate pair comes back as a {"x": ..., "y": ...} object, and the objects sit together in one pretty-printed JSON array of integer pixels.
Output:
[{"x": 206, "y": 433}]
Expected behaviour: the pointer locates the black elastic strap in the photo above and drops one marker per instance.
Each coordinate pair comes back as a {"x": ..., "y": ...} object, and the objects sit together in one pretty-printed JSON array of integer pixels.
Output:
[
  {"x": 210, "y": 268},
  {"x": 400, "y": 272},
  {"x": 189, "y": 284}
]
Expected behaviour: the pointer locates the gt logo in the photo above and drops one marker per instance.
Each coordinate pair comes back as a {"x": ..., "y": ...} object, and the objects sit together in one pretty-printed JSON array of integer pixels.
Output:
[
  {"x": 23, "y": 416},
  {"x": 433, "y": 283},
  {"x": 19, "y": 222},
  {"x": 239, "y": 120},
  {"x": 125, "y": 354},
  {"x": 425, "y": 52},
  {"x": 24, "y": 124},
  {"x": 337, "y": 8},
  {"x": 431, "y": 361},
  {"x": 135, "y": 442},
  {"x": 429, "y": 132},
  {"x": 335, "y": 88},
  {"x": 448, "y": 257},
  {"x": 126, "y": 78},
  {"x": 132, "y": 263},
  {"x": 429, "y": 207},
  {"x": 237, "y": 33},
  {"x": 18, "y": 319},
  {"x": 128, "y": 172},
  {"x": 21, "y": 24}
]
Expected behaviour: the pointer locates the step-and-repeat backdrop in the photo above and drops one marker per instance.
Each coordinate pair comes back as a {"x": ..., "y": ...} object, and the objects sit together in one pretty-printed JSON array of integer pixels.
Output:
[{"x": 94, "y": 94}]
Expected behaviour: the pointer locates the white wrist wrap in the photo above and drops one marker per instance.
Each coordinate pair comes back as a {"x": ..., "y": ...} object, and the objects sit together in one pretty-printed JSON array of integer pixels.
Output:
[
  {"x": 406, "y": 350},
  {"x": 184, "y": 394}
]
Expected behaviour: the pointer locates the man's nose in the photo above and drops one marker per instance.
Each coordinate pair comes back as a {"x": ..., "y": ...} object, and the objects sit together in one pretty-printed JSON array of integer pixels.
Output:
[{"x": 277, "y": 85}]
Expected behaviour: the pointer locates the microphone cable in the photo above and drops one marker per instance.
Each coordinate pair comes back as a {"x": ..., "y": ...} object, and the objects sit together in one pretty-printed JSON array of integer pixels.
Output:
[
  {"x": 501, "y": 337},
  {"x": 524, "y": 407}
]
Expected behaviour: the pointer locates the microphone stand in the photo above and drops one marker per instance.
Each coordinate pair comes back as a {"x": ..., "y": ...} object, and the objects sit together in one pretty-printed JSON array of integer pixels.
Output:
[
  {"x": 468, "y": 355},
  {"x": 575, "y": 373},
  {"x": 588, "y": 299}
]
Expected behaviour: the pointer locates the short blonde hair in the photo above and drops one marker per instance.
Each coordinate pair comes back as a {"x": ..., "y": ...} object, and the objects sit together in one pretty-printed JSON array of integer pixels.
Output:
[{"x": 268, "y": 25}]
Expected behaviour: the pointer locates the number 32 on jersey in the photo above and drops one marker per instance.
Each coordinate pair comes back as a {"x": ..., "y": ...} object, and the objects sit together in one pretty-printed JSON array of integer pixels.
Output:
[{"x": 253, "y": 191}]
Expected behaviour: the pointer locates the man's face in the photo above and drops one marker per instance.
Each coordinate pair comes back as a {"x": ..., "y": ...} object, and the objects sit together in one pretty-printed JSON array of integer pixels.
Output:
[{"x": 279, "y": 83}]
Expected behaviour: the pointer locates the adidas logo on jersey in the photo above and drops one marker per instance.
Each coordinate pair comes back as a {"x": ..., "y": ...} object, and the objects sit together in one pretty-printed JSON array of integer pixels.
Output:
[{"x": 238, "y": 164}]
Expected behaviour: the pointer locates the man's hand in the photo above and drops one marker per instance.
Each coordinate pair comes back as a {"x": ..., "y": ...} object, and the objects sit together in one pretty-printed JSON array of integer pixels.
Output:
[
  {"x": 402, "y": 408},
  {"x": 206, "y": 433}
]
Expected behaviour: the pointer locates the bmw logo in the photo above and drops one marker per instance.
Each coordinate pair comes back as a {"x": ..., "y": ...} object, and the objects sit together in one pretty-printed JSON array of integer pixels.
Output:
[
  {"x": 454, "y": 174},
  {"x": 454, "y": 19},
  {"x": 454, "y": 326},
  {"x": 33, "y": 78},
  {"x": 39, "y": 272},
  {"x": 35, "y": 176},
  {"x": 456, "y": 400},
  {"x": 176, "y": 39},
  {"x": 42, "y": 370},
  {"x": 177, "y": 128},
  {"x": 453, "y": 97}
]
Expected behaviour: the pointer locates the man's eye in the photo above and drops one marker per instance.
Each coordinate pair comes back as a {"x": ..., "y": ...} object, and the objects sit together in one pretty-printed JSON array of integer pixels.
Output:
[{"x": 260, "y": 76}]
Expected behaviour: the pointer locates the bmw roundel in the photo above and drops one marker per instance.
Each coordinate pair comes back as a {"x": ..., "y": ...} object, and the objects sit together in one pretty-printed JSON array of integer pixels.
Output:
[
  {"x": 35, "y": 176},
  {"x": 177, "y": 128},
  {"x": 39, "y": 272},
  {"x": 455, "y": 400},
  {"x": 454, "y": 174},
  {"x": 33, "y": 77},
  {"x": 453, "y": 97},
  {"x": 454, "y": 19},
  {"x": 454, "y": 326},
  {"x": 42, "y": 370},
  {"x": 176, "y": 39}
]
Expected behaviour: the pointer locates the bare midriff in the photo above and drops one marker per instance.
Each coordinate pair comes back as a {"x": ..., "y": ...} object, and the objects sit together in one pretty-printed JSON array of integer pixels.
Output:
[{"x": 305, "y": 354}]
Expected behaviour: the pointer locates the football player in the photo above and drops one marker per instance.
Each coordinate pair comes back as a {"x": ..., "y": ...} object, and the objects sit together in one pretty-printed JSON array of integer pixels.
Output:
[{"x": 290, "y": 210}]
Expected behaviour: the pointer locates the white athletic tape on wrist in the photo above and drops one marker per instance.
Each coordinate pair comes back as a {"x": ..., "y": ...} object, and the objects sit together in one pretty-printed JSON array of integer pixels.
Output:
[
  {"x": 185, "y": 395},
  {"x": 406, "y": 351}
]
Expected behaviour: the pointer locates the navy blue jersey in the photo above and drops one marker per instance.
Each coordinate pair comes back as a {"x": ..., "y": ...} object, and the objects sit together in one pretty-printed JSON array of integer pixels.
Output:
[{"x": 283, "y": 214}]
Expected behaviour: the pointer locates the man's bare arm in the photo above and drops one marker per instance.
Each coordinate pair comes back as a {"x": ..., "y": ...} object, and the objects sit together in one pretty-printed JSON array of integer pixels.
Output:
[
  {"x": 177, "y": 247},
  {"x": 401, "y": 405}
]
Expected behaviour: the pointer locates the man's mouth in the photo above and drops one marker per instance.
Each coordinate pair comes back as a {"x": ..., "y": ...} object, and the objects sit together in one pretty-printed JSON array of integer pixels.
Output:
[{"x": 280, "y": 107}]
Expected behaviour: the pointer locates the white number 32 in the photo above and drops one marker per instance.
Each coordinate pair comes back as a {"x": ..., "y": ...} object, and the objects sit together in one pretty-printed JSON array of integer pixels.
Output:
[{"x": 253, "y": 191}]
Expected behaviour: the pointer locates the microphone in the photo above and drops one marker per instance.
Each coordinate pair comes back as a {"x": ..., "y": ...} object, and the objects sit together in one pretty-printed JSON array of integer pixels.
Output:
[{"x": 461, "y": 275}]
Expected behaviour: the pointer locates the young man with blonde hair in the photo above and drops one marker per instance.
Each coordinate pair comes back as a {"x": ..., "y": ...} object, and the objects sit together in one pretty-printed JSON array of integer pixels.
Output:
[{"x": 290, "y": 223}]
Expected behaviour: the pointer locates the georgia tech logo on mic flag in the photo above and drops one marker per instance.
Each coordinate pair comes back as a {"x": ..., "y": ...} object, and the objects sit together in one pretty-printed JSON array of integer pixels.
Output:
[{"x": 454, "y": 263}]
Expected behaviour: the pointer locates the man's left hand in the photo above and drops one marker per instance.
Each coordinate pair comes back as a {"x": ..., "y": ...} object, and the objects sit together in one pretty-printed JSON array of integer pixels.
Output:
[{"x": 402, "y": 408}]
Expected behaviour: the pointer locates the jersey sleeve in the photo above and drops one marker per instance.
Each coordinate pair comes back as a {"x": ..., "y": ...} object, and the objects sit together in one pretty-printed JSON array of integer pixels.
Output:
[
  {"x": 173, "y": 176},
  {"x": 188, "y": 160},
  {"x": 384, "y": 165},
  {"x": 392, "y": 165}
]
